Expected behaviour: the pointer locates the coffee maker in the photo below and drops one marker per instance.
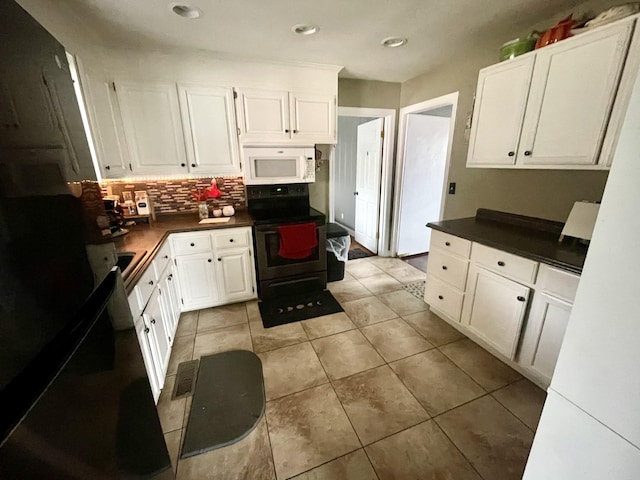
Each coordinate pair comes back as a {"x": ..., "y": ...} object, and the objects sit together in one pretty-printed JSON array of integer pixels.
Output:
[{"x": 115, "y": 215}]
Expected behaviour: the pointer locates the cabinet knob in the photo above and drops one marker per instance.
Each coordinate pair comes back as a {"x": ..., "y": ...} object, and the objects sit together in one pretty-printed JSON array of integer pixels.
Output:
[
  {"x": 444, "y": 267},
  {"x": 153, "y": 321},
  {"x": 355, "y": 193},
  {"x": 447, "y": 244},
  {"x": 193, "y": 244},
  {"x": 219, "y": 259},
  {"x": 150, "y": 282},
  {"x": 286, "y": 130},
  {"x": 146, "y": 329},
  {"x": 183, "y": 164},
  {"x": 440, "y": 297},
  {"x": 511, "y": 154},
  {"x": 521, "y": 298},
  {"x": 527, "y": 153},
  {"x": 209, "y": 260},
  {"x": 231, "y": 240},
  {"x": 295, "y": 131},
  {"x": 501, "y": 263},
  {"x": 166, "y": 256},
  {"x": 107, "y": 167},
  {"x": 193, "y": 165}
]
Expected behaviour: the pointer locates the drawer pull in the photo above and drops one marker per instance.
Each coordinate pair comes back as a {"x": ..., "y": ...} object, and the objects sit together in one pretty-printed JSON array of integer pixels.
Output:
[
  {"x": 193, "y": 244},
  {"x": 511, "y": 154},
  {"x": 527, "y": 153},
  {"x": 146, "y": 329},
  {"x": 521, "y": 298},
  {"x": 231, "y": 240},
  {"x": 209, "y": 260},
  {"x": 166, "y": 256},
  {"x": 448, "y": 244},
  {"x": 444, "y": 267},
  {"x": 150, "y": 282},
  {"x": 440, "y": 297},
  {"x": 501, "y": 263},
  {"x": 153, "y": 321},
  {"x": 219, "y": 259}
]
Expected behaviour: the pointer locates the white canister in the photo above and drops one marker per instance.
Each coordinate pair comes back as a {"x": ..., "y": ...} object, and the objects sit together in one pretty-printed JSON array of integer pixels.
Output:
[
  {"x": 228, "y": 211},
  {"x": 217, "y": 212}
]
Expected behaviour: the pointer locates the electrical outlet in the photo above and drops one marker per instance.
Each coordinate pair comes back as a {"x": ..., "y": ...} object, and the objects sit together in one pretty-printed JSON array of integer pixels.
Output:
[{"x": 452, "y": 188}]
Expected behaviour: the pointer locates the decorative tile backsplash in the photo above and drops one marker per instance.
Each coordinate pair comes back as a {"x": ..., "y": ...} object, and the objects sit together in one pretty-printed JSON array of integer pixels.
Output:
[{"x": 173, "y": 196}]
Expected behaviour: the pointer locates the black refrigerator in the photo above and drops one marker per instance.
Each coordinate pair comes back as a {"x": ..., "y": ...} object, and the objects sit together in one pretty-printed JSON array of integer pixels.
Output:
[{"x": 75, "y": 401}]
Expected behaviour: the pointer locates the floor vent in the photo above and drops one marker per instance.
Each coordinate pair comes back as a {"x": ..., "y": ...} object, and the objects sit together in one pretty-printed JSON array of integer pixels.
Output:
[{"x": 185, "y": 379}]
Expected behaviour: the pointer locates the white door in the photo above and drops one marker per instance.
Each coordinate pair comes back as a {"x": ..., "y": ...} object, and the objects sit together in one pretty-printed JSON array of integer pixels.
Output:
[
  {"x": 572, "y": 93},
  {"x": 499, "y": 109},
  {"x": 234, "y": 275},
  {"x": 313, "y": 118},
  {"x": 425, "y": 156},
  {"x": 209, "y": 123},
  {"x": 106, "y": 127},
  {"x": 264, "y": 116},
  {"x": 158, "y": 338},
  {"x": 152, "y": 126},
  {"x": 546, "y": 323},
  {"x": 368, "y": 171},
  {"x": 197, "y": 281},
  {"x": 494, "y": 309}
]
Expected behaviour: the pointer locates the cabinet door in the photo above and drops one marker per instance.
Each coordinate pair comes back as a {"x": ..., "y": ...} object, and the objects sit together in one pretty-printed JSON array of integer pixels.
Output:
[
  {"x": 234, "y": 272},
  {"x": 167, "y": 306},
  {"x": 106, "y": 127},
  {"x": 158, "y": 338},
  {"x": 313, "y": 118},
  {"x": 197, "y": 281},
  {"x": 501, "y": 99},
  {"x": 264, "y": 116},
  {"x": 152, "y": 127},
  {"x": 572, "y": 91},
  {"x": 544, "y": 333},
  {"x": 143, "y": 333},
  {"x": 494, "y": 309},
  {"x": 209, "y": 123}
]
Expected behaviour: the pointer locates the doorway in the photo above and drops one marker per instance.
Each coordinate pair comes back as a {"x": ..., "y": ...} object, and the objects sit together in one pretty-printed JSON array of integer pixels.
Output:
[
  {"x": 360, "y": 176},
  {"x": 424, "y": 151}
]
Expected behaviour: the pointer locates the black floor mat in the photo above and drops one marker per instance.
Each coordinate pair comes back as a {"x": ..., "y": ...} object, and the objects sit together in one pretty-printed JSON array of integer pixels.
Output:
[
  {"x": 279, "y": 311},
  {"x": 359, "y": 253},
  {"x": 228, "y": 402}
]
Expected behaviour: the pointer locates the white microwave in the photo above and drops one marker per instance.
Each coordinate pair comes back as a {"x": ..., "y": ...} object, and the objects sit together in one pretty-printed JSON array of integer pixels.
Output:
[{"x": 272, "y": 165}]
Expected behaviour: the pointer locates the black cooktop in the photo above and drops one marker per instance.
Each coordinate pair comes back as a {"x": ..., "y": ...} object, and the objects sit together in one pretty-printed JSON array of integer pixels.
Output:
[{"x": 279, "y": 217}]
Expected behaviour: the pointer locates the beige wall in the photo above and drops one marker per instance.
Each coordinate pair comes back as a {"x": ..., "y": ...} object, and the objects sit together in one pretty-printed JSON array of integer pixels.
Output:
[
  {"x": 368, "y": 93},
  {"x": 541, "y": 193}
]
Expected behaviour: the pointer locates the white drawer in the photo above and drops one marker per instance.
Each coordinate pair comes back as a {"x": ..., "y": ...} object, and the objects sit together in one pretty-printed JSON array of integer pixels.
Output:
[
  {"x": 161, "y": 259},
  {"x": 558, "y": 283},
  {"x": 443, "y": 297},
  {"x": 145, "y": 287},
  {"x": 506, "y": 264},
  {"x": 191, "y": 243},
  {"x": 450, "y": 268},
  {"x": 231, "y": 238},
  {"x": 450, "y": 243}
]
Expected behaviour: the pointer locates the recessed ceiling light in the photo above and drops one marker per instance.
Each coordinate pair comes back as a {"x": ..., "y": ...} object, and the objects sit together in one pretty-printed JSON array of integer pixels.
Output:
[
  {"x": 394, "y": 42},
  {"x": 304, "y": 29},
  {"x": 186, "y": 11}
]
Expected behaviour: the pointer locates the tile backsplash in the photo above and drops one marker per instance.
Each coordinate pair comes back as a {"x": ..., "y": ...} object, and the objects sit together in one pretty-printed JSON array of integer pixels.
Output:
[{"x": 173, "y": 196}]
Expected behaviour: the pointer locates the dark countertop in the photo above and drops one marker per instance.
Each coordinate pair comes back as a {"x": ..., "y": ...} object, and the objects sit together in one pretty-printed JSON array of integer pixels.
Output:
[
  {"x": 529, "y": 242},
  {"x": 150, "y": 237}
]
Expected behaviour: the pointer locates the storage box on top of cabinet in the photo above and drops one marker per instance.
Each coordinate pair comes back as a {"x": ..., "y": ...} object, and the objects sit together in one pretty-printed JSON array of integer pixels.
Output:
[{"x": 558, "y": 107}]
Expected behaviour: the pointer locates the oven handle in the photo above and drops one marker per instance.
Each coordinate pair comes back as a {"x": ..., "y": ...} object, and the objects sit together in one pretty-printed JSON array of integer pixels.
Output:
[{"x": 290, "y": 282}]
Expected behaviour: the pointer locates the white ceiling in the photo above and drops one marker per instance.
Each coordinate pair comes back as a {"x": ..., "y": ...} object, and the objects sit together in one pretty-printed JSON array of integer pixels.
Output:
[{"x": 350, "y": 30}]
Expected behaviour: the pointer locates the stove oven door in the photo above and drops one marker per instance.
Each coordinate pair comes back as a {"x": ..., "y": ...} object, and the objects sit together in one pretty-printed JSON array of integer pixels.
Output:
[{"x": 273, "y": 266}]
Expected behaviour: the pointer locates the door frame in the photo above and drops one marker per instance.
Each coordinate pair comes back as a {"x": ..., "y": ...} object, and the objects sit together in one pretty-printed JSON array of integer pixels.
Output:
[
  {"x": 443, "y": 101},
  {"x": 386, "y": 178}
]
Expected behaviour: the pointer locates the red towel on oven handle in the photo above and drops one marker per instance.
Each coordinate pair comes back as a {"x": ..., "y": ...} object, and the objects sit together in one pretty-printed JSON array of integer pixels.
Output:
[{"x": 297, "y": 240}]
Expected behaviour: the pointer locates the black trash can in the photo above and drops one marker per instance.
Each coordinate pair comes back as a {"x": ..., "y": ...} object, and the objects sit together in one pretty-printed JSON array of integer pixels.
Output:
[{"x": 335, "y": 268}]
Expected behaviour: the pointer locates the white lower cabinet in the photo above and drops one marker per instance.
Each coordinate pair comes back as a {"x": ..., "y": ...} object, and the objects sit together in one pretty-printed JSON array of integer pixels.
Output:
[
  {"x": 234, "y": 273},
  {"x": 169, "y": 302},
  {"x": 159, "y": 341},
  {"x": 197, "y": 281},
  {"x": 494, "y": 309},
  {"x": 490, "y": 304}
]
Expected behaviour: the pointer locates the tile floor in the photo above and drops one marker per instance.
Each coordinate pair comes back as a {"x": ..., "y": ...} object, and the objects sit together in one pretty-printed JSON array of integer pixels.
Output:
[{"x": 384, "y": 390}]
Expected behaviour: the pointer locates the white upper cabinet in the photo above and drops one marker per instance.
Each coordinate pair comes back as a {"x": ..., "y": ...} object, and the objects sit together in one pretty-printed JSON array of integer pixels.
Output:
[
  {"x": 274, "y": 117},
  {"x": 106, "y": 127},
  {"x": 152, "y": 127},
  {"x": 263, "y": 116},
  {"x": 209, "y": 125},
  {"x": 501, "y": 99},
  {"x": 572, "y": 92},
  {"x": 313, "y": 118},
  {"x": 550, "y": 108}
]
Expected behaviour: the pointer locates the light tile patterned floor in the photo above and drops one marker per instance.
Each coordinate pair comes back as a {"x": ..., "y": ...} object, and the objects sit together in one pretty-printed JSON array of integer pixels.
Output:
[{"x": 384, "y": 390}]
